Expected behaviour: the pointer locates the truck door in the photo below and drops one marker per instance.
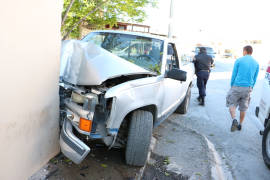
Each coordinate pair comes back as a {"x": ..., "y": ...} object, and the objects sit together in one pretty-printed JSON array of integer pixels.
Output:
[{"x": 172, "y": 88}]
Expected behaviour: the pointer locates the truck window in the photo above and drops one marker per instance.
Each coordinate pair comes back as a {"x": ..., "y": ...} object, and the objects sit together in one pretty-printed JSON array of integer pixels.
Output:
[
  {"x": 142, "y": 51},
  {"x": 186, "y": 59},
  {"x": 172, "y": 60}
]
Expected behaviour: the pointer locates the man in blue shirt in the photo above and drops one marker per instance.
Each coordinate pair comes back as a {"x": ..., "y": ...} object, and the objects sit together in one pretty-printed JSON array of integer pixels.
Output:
[{"x": 244, "y": 76}]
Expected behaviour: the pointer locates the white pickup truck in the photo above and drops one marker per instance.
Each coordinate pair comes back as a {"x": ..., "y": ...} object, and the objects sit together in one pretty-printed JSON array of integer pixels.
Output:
[
  {"x": 116, "y": 86},
  {"x": 263, "y": 113}
]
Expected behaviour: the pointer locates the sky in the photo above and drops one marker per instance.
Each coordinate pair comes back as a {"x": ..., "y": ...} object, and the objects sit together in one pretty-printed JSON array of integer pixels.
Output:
[{"x": 224, "y": 20}]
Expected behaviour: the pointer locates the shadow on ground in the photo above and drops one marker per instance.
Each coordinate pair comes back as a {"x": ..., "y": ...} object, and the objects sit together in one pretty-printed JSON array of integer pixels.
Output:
[
  {"x": 100, "y": 164},
  {"x": 104, "y": 164}
]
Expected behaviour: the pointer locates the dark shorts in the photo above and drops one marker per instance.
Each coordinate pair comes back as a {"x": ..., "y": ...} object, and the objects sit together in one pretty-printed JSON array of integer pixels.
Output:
[{"x": 239, "y": 96}]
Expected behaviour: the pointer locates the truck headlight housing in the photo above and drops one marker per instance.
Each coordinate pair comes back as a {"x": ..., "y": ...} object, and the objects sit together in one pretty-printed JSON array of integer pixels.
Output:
[
  {"x": 90, "y": 98},
  {"x": 77, "y": 98}
]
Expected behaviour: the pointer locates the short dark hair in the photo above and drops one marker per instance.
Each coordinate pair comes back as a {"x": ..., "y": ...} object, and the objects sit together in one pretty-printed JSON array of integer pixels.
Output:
[
  {"x": 202, "y": 49},
  {"x": 248, "y": 49}
]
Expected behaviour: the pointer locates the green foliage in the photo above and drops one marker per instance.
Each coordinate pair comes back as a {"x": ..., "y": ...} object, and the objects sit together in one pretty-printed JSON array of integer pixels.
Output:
[
  {"x": 166, "y": 174},
  {"x": 109, "y": 12},
  {"x": 166, "y": 161}
]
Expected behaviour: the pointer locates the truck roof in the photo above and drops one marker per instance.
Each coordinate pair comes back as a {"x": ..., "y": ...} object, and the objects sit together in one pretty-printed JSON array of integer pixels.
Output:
[{"x": 136, "y": 33}]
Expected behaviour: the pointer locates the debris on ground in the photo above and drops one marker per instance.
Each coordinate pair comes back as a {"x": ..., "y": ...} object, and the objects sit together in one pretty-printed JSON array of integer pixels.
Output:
[{"x": 158, "y": 170}]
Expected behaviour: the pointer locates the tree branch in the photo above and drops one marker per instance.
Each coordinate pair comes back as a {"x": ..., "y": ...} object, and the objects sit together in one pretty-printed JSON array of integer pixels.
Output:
[
  {"x": 68, "y": 9},
  {"x": 82, "y": 19}
]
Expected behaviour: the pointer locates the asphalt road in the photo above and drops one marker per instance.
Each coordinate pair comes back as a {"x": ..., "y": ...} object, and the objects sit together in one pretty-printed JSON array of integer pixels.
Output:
[{"x": 240, "y": 151}]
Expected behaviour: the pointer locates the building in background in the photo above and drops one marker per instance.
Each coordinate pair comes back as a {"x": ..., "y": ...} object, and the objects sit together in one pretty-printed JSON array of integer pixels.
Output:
[
  {"x": 129, "y": 27},
  {"x": 85, "y": 28}
]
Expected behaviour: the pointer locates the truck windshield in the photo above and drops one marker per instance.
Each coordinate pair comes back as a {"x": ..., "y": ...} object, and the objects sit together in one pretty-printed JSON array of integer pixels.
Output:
[{"x": 142, "y": 51}]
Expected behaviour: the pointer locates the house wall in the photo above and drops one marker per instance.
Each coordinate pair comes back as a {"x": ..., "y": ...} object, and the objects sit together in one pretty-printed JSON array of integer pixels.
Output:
[{"x": 29, "y": 67}]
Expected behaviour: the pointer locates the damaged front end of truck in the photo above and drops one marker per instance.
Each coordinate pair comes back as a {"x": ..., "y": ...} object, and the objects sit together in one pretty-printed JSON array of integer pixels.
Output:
[
  {"x": 83, "y": 117},
  {"x": 87, "y": 73}
]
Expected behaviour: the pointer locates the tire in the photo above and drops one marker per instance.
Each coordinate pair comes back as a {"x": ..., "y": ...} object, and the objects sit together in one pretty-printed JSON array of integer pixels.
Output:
[
  {"x": 266, "y": 146},
  {"x": 183, "y": 107},
  {"x": 139, "y": 138},
  {"x": 257, "y": 110}
]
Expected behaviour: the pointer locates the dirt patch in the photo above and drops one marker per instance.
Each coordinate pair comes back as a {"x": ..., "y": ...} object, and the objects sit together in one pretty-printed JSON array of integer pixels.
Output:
[
  {"x": 100, "y": 164},
  {"x": 156, "y": 170}
]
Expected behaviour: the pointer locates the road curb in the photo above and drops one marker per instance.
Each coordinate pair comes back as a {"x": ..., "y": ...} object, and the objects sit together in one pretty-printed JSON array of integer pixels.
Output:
[
  {"x": 216, "y": 169},
  {"x": 141, "y": 171},
  {"x": 217, "y": 172}
]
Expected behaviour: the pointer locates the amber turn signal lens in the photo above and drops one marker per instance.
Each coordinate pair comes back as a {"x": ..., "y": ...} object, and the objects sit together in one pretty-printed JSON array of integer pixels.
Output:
[{"x": 85, "y": 124}]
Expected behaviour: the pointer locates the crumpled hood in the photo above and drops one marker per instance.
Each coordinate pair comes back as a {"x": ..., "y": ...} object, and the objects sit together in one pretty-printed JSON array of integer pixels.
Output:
[{"x": 84, "y": 63}]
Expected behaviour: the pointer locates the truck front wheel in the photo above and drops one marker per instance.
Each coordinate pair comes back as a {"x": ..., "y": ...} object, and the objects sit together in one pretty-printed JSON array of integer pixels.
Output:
[
  {"x": 139, "y": 137},
  {"x": 183, "y": 107},
  {"x": 266, "y": 146}
]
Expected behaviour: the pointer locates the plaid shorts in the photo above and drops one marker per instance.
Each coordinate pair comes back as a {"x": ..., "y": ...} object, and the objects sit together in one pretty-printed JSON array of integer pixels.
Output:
[{"x": 239, "y": 96}]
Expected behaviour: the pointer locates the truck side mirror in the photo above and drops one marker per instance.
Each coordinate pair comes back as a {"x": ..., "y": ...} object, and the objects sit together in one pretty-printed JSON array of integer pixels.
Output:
[{"x": 177, "y": 74}]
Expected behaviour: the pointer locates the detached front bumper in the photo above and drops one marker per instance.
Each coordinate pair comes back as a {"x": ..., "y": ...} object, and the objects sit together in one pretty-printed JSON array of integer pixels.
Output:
[{"x": 72, "y": 147}]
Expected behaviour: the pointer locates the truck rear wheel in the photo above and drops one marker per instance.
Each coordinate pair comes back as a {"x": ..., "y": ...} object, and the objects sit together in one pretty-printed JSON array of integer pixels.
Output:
[
  {"x": 183, "y": 107},
  {"x": 266, "y": 146},
  {"x": 139, "y": 137}
]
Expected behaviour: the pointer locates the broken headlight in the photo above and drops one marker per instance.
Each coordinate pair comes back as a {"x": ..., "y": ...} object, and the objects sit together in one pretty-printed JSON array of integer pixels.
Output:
[
  {"x": 90, "y": 98},
  {"x": 77, "y": 98}
]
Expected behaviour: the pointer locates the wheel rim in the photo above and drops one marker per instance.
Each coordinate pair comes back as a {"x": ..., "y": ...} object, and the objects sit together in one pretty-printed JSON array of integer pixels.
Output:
[{"x": 268, "y": 145}]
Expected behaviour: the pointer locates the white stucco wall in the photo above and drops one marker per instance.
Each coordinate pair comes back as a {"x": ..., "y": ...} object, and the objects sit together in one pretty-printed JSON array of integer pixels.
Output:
[{"x": 29, "y": 68}]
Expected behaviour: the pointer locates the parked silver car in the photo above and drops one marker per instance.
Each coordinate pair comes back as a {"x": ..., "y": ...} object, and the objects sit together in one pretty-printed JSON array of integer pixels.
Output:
[{"x": 116, "y": 86}]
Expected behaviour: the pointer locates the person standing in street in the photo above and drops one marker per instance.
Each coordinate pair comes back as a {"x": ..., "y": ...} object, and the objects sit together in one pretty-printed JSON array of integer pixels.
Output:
[
  {"x": 244, "y": 76},
  {"x": 203, "y": 63}
]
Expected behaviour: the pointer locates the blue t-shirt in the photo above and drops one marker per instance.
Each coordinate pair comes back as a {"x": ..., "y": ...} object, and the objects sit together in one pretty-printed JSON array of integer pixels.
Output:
[{"x": 245, "y": 72}]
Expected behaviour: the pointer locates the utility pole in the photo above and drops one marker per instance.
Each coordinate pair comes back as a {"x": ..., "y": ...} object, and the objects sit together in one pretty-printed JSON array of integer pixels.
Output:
[{"x": 170, "y": 20}]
